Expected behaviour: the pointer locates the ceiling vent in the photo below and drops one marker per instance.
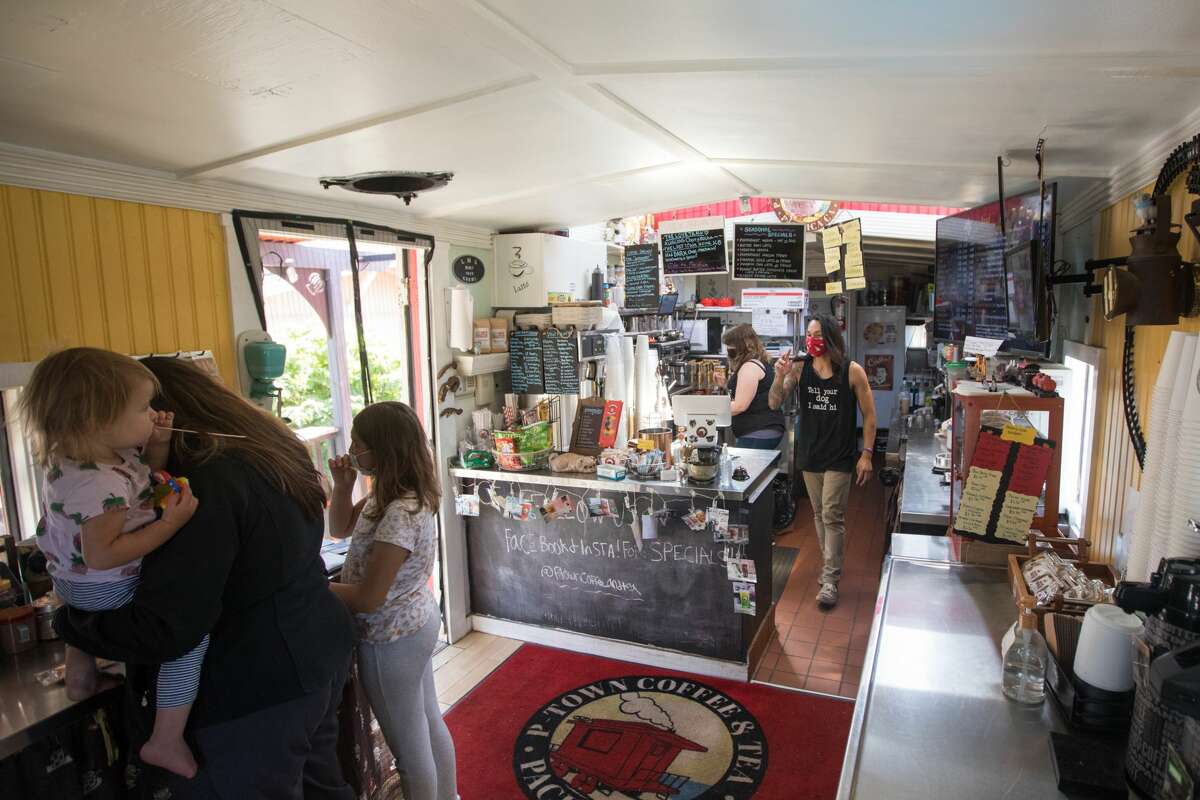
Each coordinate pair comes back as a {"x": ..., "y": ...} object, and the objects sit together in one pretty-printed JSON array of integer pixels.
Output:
[{"x": 405, "y": 185}]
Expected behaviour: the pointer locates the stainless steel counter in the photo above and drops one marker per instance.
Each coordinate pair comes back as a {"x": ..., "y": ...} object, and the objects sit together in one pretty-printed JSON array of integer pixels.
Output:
[
  {"x": 918, "y": 547},
  {"x": 930, "y": 721},
  {"x": 924, "y": 500},
  {"x": 28, "y": 709},
  {"x": 760, "y": 464}
]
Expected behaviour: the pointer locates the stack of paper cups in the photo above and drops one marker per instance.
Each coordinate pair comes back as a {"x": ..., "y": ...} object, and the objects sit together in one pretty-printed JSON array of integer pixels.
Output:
[
  {"x": 1167, "y": 492},
  {"x": 616, "y": 386},
  {"x": 644, "y": 401},
  {"x": 629, "y": 414},
  {"x": 1186, "y": 498},
  {"x": 1139, "y": 567}
]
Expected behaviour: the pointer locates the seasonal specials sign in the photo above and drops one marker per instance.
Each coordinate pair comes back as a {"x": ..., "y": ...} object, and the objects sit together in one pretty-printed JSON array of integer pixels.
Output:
[{"x": 662, "y": 735}]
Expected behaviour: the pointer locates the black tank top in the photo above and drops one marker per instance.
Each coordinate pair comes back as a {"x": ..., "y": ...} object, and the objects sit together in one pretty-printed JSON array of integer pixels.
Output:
[
  {"x": 828, "y": 421},
  {"x": 758, "y": 415}
]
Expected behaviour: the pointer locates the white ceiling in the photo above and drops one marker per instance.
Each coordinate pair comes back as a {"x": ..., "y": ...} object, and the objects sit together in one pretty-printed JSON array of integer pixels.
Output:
[{"x": 559, "y": 112}]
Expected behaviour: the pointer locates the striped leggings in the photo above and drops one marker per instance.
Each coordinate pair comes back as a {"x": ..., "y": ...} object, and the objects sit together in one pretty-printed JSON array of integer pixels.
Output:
[{"x": 178, "y": 680}]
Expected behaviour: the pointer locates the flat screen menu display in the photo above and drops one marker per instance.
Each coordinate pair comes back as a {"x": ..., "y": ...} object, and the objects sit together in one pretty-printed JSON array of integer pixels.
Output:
[{"x": 971, "y": 280}]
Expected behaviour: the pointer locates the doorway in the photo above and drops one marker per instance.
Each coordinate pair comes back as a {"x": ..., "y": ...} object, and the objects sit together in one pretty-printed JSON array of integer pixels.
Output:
[{"x": 350, "y": 303}]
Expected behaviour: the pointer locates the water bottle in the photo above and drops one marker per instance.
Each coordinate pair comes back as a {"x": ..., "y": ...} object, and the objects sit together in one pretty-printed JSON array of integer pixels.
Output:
[{"x": 1024, "y": 677}]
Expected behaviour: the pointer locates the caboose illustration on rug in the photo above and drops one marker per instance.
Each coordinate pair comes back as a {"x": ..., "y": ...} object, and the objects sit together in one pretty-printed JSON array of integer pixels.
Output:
[{"x": 630, "y": 757}]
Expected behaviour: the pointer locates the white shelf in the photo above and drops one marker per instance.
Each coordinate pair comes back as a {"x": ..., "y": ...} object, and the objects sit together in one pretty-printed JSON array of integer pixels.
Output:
[
  {"x": 721, "y": 310},
  {"x": 470, "y": 364}
]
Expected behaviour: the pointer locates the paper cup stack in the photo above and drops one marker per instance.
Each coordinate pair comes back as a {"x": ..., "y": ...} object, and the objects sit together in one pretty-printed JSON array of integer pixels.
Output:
[
  {"x": 1104, "y": 657},
  {"x": 1171, "y": 475},
  {"x": 1185, "y": 502},
  {"x": 1139, "y": 566}
]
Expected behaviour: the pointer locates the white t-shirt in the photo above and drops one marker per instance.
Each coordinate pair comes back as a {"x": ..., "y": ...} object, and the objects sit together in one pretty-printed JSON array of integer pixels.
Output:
[
  {"x": 409, "y": 601},
  {"x": 76, "y": 492}
]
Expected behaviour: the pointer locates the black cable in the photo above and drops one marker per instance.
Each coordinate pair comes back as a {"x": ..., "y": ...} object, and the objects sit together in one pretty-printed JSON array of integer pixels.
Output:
[{"x": 1129, "y": 399}]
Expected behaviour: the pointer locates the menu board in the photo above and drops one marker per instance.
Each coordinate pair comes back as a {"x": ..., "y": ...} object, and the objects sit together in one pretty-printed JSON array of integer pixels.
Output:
[
  {"x": 641, "y": 276},
  {"x": 768, "y": 252},
  {"x": 694, "y": 252},
  {"x": 585, "y": 433},
  {"x": 1004, "y": 484},
  {"x": 560, "y": 362},
  {"x": 525, "y": 362}
]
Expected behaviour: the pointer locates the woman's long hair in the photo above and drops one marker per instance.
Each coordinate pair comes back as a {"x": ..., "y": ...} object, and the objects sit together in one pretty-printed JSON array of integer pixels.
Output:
[
  {"x": 835, "y": 343},
  {"x": 202, "y": 403},
  {"x": 403, "y": 462},
  {"x": 744, "y": 345}
]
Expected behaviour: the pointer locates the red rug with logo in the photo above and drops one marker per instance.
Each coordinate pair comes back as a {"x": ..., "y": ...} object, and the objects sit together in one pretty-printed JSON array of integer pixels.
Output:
[{"x": 553, "y": 725}]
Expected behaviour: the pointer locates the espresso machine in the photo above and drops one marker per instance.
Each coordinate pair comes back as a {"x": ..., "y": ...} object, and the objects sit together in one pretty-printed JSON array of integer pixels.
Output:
[
  {"x": 1163, "y": 759},
  {"x": 701, "y": 417}
]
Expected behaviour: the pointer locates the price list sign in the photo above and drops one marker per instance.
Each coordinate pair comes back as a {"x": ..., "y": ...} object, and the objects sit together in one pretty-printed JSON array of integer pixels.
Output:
[
  {"x": 641, "y": 276},
  {"x": 525, "y": 362},
  {"x": 560, "y": 362},
  {"x": 694, "y": 252},
  {"x": 768, "y": 253}
]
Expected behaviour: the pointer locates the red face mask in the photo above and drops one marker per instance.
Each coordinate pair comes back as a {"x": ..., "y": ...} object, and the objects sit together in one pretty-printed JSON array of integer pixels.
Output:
[{"x": 815, "y": 345}]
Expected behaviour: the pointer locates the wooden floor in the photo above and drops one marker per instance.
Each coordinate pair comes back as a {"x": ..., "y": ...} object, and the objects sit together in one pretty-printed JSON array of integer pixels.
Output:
[
  {"x": 823, "y": 651},
  {"x": 812, "y": 650}
]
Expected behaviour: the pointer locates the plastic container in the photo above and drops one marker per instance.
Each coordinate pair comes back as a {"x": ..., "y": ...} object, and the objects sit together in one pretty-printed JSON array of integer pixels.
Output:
[
  {"x": 44, "y": 618},
  {"x": 18, "y": 629},
  {"x": 1024, "y": 676}
]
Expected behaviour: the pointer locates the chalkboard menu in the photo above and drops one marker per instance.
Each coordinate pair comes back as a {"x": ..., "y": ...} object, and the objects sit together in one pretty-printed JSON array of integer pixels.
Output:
[
  {"x": 768, "y": 253},
  {"x": 560, "y": 362},
  {"x": 585, "y": 433},
  {"x": 641, "y": 276},
  {"x": 525, "y": 362},
  {"x": 694, "y": 252}
]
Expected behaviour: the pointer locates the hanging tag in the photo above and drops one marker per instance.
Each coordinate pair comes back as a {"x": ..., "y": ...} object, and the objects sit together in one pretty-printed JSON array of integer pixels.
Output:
[
  {"x": 744, "y": 601},
  {"x": 1018, "y": 433},
  {"x": 720, "y": 519},
  {"x": 696, "y": 519},
  {"x": 1177, "y": 783},
  {"x": 649, "y": 526},
  {"x": 467, "y": 505}
]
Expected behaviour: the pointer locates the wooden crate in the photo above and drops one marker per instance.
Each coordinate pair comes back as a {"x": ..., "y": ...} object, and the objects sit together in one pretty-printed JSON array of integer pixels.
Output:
[{"x": 1030, "y": 614}]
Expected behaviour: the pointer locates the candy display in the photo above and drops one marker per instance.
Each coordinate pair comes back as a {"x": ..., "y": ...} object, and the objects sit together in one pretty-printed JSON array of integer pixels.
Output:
[{"x": 1050, "y": 577}]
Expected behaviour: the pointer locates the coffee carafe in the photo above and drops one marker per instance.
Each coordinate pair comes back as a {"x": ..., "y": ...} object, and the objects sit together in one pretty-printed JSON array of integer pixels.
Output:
[{"x": 1166, "y": 708}]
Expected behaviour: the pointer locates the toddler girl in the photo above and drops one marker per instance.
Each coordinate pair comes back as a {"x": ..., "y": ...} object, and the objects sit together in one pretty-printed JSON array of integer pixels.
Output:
[
  {"x": 385, "y": 582},
  {"x": 97, "y": 438}
]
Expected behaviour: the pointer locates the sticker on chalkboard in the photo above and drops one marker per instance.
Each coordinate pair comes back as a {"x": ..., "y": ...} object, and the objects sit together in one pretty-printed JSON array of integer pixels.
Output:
[
  {"x": 467, "y": 505},
  {"x": 744, "y": 601}
]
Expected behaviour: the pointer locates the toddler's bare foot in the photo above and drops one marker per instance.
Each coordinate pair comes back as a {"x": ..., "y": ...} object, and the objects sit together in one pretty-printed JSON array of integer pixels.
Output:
[
  {"x": 82, "y": 674},
  {"x": 170, "y": 754}
]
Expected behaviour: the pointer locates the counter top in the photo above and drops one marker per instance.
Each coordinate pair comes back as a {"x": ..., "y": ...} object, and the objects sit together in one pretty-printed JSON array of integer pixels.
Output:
[
  {"x": 28, "y": 709},
  {"x": 924, "y": 501},
  {"x": 760, "y": 464},
  {"x": 930, "y": 721}
]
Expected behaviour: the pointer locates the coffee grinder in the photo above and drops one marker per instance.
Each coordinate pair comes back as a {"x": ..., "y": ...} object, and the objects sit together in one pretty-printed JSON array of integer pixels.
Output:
[{"x": 702, "y": 417}]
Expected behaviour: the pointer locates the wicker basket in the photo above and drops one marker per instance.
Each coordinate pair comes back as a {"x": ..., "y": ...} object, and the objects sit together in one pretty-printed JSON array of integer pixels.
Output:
[
  {"x": 1030, "y": 614},
  {"x": 523, "y": 462},
  {"x": 584, "y": 316}
]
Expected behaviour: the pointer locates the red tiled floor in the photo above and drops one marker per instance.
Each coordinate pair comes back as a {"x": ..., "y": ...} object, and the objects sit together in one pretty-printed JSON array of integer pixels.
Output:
[
  {"x": 823, "y": 650},
  {"x": 826, "y": 670},
  {"x": 820, "y": 685},
  {"x": 805, "y": 634},
  {"x": 799, "y": 649},
  {"x": 793, "y": 664}
]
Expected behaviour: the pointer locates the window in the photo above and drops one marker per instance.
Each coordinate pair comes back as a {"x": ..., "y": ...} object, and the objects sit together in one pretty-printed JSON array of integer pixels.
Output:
[
  {"x": 599, "y": 741},
  {"x": 1079, "y": 393},
  {"x": 20, "y": 478}
]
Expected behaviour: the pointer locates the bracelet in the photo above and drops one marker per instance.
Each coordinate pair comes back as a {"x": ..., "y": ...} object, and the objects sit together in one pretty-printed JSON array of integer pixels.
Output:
[{"x": 869, "y": 450}]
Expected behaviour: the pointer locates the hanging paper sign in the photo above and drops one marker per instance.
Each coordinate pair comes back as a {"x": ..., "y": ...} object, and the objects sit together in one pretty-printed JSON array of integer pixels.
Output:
[
  {"x": 812, "y": 214},
  {"x": 1004, "y": 484}
]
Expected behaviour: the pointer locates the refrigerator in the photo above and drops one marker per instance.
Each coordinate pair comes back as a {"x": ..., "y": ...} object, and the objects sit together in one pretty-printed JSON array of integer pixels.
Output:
[{"x": 878, "y": 345}]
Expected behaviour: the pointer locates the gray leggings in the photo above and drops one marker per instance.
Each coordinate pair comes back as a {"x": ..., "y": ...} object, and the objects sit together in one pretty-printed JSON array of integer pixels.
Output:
[{"x": 398, "y": 679}]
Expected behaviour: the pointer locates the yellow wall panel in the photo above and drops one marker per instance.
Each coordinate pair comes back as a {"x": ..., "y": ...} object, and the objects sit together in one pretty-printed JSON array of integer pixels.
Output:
[
  {"x": 1114, "y": 466},
  {"x": 134, "y": 278}
]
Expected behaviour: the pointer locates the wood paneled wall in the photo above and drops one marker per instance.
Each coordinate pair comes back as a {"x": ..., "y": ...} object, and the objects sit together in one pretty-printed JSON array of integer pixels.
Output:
[
  {"x": 1114, "y": 467},
  {"x": 133, "y": 278}
]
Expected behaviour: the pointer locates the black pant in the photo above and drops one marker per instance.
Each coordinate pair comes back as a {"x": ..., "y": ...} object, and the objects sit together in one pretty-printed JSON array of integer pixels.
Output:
[{"x": 285, "y": 752}]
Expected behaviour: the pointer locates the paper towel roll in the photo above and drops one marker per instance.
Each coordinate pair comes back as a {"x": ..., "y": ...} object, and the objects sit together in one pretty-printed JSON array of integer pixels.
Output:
[{"x": 462, "y": 315}]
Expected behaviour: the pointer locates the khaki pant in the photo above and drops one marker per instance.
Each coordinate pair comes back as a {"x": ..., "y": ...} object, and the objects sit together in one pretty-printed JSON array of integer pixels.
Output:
[{"x": 829, "y": 493}]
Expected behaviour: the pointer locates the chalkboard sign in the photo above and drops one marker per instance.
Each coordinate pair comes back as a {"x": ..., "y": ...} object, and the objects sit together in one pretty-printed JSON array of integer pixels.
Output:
[
  {"x": 560, "y": 362},
  {"x": 641, "y": 276},
  {"x": 585, "y": 433},
  {"x": 768, "y": 253},
  {"x": 525, "y": 362},
  {"x": 694, "y": 252},
  {"x": 468, "y": 269}
]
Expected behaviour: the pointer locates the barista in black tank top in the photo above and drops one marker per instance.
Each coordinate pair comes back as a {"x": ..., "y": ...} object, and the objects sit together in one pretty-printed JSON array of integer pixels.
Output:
[{"x": 828, "y": 420}]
